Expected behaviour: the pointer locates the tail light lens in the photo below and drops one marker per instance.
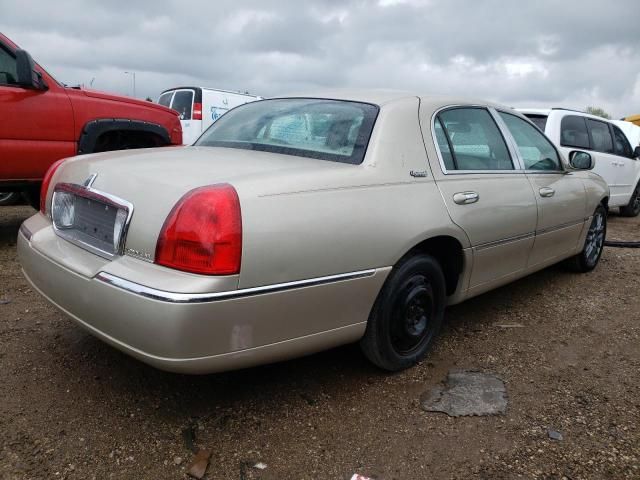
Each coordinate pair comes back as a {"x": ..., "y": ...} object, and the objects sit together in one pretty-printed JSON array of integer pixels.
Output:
[
  {"x": 44, "y": 188},
  {"x": 197, "y": 111},
  {"x": 203, "y": 232}
]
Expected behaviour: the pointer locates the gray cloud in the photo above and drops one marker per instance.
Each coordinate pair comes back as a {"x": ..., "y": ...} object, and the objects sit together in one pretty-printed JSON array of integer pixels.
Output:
[{"x": 570, "y": 53}]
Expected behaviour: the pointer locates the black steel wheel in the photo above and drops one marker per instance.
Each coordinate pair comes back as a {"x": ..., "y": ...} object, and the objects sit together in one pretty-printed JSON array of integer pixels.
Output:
[{"x": 407, "y": 314}]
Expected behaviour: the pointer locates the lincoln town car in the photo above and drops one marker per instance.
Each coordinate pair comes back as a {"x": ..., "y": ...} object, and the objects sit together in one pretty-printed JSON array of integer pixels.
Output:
[{"x": 301, "y": 223}]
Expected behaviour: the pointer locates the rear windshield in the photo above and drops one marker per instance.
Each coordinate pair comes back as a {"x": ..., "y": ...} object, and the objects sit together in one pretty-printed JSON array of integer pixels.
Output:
[
  {"x": 539, "y": 121},
  {"x": 182, "y": 101},
  {"x": 332, "y": 130}
]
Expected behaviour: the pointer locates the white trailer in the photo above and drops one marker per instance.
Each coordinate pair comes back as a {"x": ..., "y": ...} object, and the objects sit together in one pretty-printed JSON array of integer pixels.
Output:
[{"x": 199, "y": 107}]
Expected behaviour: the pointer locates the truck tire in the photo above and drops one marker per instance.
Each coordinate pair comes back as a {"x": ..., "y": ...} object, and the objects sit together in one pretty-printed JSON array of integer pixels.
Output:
[
  {"x": 633, "y": 208},
  {"x": 8, "y": 198}
]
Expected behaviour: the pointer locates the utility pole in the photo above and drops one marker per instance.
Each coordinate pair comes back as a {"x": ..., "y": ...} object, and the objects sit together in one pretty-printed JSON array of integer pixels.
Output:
[{"x": 133, "y": 74}]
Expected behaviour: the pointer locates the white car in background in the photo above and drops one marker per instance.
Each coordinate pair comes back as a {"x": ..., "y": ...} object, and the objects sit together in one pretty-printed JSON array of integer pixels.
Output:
[
  {"x": 616, "y": 160},
  {"x": 199, "y": 107}
]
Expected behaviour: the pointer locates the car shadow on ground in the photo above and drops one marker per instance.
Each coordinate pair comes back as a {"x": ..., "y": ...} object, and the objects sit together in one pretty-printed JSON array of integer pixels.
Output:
[{"x": 339, "y": 369}]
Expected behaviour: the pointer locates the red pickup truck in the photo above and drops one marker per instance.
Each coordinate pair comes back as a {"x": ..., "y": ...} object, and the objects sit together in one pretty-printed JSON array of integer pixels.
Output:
[{"x": 43, "y": 121}]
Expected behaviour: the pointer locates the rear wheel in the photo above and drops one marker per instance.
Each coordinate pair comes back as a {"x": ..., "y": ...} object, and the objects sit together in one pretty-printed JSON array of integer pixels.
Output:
[
  {"x": 589, "y": 257},
  {"x": 407, "y": 314},
  {"x": 633, "y": 208}
]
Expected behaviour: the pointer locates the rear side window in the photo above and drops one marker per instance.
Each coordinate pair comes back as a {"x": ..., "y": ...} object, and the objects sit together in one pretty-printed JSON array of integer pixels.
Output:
[
  {"x": 8, "y": 69},
  {"x": 600, "y": 136},
  {"x": 536, "y": 151},
  {"x": 315, "y": 128},
  {"x": 475, "y": 139},
  {"x": 539, "y": 121},
  {"x": 573, "y": 132},
  {"x": 621, "y": 145},
  {"x": 182, "y": 102},
  {"x": 165, "y": 99}
]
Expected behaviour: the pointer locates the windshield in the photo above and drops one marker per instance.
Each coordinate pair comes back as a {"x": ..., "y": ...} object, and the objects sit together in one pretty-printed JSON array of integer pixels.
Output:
[{"x": 315, "y": 128}]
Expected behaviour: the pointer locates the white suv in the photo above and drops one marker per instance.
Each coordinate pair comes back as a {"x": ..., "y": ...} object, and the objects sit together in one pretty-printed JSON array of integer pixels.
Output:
[{"x": 616, "y": 160}]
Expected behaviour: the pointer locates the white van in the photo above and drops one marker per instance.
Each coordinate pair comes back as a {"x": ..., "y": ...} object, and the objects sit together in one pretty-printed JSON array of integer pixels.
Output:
[{"x": 199, "y": 107}]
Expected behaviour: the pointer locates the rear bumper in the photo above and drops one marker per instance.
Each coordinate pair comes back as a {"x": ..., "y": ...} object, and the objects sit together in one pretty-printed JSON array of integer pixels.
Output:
[{"x": 201, "y": 332}]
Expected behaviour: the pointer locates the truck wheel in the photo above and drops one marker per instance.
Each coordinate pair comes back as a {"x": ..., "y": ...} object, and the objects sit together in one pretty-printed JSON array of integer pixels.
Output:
[
  {"x": 8, "y": 198},
  {"x": 633, "y": 208},
  {"x": 407, "y": 314},
  {"x": 32, "y": 196},
  {"x": 123, "y": 140},
  {"x": 588, "y": 258}
]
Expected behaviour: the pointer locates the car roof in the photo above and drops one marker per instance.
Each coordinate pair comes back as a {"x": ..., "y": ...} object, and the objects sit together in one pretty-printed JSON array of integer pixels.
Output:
[{"x": 384, "y": 96}]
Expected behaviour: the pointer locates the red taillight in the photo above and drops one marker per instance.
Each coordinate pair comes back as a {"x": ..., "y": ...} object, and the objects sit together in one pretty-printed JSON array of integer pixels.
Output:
[
  {"x": 197, "y": 111},
  {"x": 203, "y": 232},
  {"x": 44, "y": 188}
]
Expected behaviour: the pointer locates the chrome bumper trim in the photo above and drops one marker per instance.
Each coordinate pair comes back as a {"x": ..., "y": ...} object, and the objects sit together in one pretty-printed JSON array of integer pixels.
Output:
[
  {"x": 25, "y": 231},
  {"x": 174, "y": 297}
]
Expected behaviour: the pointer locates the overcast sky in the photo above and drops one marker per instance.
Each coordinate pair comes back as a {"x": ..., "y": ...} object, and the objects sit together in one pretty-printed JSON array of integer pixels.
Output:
[{"x": 570, "y": 53}]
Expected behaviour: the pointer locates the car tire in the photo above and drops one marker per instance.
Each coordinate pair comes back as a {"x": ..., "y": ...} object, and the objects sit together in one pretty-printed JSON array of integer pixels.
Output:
[
  {"x": 591, "y": 252},
  {"x": 632, "y": 209},
  {"x": 8, "y": 198},
  {"x": 407, "y": 315}
]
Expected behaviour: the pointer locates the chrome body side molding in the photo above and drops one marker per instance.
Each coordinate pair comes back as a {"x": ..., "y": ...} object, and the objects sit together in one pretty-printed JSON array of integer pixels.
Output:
[{"x": 174, "y": 297}]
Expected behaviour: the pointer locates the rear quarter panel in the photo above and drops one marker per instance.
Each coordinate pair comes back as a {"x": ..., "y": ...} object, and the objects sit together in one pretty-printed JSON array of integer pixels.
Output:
[{"x": 366, "y": 216}]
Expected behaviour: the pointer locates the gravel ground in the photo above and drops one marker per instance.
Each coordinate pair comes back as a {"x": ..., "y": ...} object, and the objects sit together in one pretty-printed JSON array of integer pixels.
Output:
[{"x": 72, "y": 407}]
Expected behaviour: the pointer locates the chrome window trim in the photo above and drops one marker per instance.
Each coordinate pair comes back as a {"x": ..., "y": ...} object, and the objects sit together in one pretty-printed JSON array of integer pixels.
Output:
[
  {"x": 93, "y": 194},
  {"x": 514, "y": 159},
  {"x": 175, "y": 297}
]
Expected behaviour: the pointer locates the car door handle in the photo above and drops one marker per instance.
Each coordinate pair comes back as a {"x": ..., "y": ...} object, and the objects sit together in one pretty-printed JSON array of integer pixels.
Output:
[
  {"x": 547, "y": 192},
  {"x": 465, "y": 198}
]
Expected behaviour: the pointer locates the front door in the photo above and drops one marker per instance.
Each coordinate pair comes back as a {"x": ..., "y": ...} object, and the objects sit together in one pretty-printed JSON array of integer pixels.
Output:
[
  {"x": 36, "y": 128},
  {"x": 560, "y": 195},
  {"x": 486, "y": 194}
]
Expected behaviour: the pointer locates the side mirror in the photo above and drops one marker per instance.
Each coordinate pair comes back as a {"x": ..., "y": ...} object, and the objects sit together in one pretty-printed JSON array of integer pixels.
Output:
[
  {"x": 28, "y": 77},
  {"x": 636, "y": 152},
  {"x": 581, "y": 160}
]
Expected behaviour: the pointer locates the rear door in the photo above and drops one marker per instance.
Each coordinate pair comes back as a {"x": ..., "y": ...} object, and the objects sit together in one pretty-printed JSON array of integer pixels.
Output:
[
  {"x": 182, "y": 101},
  {"x": 486, "y": 193},
  {"x": 560, "y": 196}
]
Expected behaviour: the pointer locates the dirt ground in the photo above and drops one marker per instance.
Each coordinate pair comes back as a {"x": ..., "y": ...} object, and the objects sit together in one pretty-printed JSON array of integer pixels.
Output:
[{"x": 72, "y": 407}]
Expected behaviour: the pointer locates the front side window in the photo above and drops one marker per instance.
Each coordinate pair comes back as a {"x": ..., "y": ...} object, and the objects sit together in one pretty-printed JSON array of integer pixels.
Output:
[
  {"x": 573, "y": 132},
  {"x": 8, "y": 68},
  {"x": 536, "y": 151},
  {"x": 469, "y": 139},
  {"x": 182, "y": 102},
  {"x": 621, "y": 145},
  {"x": 600, "y": 136},
  {"x": 315, "y": 128}
]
